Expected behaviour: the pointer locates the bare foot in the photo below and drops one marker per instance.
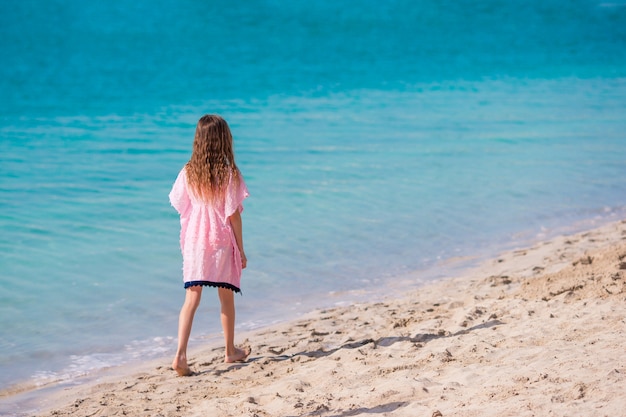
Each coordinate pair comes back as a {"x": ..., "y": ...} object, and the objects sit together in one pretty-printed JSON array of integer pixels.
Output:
[
  {"x": 183, "y": 371},
  {"x": 181, "y": 368},
  {"x": 240, "y": 356}
]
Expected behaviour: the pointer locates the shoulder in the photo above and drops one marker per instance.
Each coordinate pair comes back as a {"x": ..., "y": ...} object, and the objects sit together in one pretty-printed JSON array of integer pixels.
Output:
[
  {"x": 181, "y": 180},
  {"x": 238, "y": 184},
  {"x": 182, "y": 174}
]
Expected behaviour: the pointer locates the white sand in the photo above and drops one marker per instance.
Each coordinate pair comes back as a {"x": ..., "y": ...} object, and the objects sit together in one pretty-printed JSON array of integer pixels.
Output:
[{"x": 535, "y": 332}]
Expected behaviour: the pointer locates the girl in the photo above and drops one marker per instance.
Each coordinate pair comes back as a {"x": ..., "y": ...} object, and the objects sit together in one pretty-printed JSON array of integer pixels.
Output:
[{"x": 208, "y": 195}]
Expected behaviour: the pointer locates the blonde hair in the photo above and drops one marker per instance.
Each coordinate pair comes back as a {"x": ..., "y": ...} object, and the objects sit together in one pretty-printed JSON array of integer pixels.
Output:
[{"x": 212, "y": 162}]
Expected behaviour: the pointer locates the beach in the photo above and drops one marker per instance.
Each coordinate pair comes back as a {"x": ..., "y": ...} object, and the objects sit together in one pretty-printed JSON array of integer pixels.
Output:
[
  {"x": 384, "y": 146},
  {"x": 411, "y": 166},
  {"x": 534, "y": 331}
]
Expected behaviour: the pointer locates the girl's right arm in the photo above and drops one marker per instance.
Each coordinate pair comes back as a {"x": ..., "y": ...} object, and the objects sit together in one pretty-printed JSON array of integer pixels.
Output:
[{"x": 235, "y": 223}]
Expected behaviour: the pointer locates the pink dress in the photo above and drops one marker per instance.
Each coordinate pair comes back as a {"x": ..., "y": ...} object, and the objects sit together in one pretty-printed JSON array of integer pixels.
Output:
[{"x": 207, "y": 242}]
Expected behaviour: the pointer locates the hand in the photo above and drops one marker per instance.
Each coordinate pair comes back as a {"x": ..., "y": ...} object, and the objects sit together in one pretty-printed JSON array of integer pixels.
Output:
[{"x": 244, "y": 260}]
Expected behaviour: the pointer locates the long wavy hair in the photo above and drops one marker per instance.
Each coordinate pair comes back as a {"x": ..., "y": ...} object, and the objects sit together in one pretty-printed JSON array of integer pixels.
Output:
[{"x": 212, "y": 162}]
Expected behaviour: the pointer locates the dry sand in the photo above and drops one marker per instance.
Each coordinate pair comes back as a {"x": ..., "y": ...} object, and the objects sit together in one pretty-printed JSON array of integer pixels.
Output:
[{"x": 535, "y": 332}]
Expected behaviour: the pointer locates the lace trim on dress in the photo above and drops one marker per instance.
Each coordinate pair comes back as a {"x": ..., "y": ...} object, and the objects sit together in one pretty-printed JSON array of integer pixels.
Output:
[{"x": 212, "y": 284}]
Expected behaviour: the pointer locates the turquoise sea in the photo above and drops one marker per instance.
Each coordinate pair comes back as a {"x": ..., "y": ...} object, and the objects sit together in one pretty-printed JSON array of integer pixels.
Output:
[{"x": 379, "y": 140}]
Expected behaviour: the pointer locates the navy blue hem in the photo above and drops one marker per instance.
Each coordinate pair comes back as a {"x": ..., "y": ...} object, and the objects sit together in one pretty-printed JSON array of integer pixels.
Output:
[{"x": 212, "y": 284}]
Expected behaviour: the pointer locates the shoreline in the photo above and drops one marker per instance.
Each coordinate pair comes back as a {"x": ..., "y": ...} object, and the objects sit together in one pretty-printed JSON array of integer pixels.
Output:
[{"x": 416, "y": 353}]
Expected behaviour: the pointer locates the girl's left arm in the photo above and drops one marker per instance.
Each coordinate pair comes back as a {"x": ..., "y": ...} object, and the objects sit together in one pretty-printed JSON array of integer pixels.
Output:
[
  {"x": 235, "y": 223},
  {"x": 179, "y": 198}
]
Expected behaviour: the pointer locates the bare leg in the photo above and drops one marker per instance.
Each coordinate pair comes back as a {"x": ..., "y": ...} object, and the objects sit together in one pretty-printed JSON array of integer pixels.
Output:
[
  {"x": 227, "y": 301},
  {"x": 185, "y": 320}
]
